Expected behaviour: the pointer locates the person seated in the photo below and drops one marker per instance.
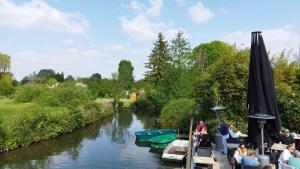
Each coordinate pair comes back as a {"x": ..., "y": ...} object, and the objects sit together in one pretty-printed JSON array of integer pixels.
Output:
[
  {"x": 249, "y": 160},
  {"x": 286, "y": 138},
  {"x": 286, "y": 154},
  {"x": 295, "y": 161},
  {"x": 205, "y": 141},
  {"x": 201, "y": 128},
  {"x": 240, "y": 152},
  {"x": 234, "y": 137}
]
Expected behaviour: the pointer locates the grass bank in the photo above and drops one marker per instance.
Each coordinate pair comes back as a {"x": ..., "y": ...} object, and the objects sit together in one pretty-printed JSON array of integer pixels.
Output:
[{"x": 48, "y": 114}]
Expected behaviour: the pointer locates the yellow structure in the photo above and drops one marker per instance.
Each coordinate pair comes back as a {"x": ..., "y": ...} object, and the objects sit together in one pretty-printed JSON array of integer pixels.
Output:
[{"x": 132, "y": 96}]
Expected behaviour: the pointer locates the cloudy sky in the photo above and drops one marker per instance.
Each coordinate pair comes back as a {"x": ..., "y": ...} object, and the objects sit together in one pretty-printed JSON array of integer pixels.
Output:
[{"x": 83, "y": 37}]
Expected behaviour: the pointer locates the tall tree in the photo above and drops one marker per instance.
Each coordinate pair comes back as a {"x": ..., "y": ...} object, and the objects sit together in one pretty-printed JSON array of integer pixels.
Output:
[
  {"x": 4, "y": 63},
  {"x": 180, "y": 51},
  {"x": 158, "y": 60},
  {"x": 125, "y": 72}
]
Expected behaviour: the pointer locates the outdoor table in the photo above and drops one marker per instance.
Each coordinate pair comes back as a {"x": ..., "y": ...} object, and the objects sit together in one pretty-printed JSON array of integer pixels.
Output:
[
  {"x": 206, "y": 160},
  {"x": 196, "y": 133},
  {"x": 232, "y": 146},
  {"x": 243, "y": 135},
  {"x": 278, "y": 147}
]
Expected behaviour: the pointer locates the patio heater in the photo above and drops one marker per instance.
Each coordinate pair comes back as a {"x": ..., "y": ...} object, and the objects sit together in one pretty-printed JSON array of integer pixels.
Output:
[{"x": 261, "y": 120}]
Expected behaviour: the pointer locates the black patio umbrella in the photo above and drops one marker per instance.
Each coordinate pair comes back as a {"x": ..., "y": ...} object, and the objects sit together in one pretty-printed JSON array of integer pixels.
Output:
[{"x": 261, "y": 96}]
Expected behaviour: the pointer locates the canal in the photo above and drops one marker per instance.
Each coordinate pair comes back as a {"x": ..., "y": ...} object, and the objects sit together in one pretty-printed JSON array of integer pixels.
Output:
[{"x": 107, "y": 143}]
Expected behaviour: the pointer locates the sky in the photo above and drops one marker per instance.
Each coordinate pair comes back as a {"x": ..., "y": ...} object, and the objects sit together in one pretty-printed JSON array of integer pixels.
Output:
[{"x": 80, "y": 38}]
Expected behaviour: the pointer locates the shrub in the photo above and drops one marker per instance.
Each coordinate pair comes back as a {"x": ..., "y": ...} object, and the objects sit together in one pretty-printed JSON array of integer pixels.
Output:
[
  {"x": 28, "y": 92},
  {"x": 67, "y": 95},
  {"x": 177, "y": 114},
  {"x": 6, "y": 89}
]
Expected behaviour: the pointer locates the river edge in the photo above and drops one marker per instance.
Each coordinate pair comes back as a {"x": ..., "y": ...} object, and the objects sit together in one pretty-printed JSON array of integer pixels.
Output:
[{"x": 108, "y": 109}]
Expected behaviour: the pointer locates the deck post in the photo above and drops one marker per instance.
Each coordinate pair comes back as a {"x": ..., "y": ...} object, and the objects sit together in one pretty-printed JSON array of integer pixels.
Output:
[{"x": 189, "y": 153}]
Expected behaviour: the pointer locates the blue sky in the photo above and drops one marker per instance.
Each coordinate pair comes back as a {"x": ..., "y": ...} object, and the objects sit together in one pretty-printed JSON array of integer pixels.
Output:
[{"x": 83, "y": 37}]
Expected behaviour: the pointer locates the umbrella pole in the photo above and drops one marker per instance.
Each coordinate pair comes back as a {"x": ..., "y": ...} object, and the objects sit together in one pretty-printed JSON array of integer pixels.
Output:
[{"x": 261, "y": 126}]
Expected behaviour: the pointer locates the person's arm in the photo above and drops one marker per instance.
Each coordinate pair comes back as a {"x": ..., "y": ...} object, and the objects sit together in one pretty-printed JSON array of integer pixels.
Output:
[{"x": 285, "y": 156}]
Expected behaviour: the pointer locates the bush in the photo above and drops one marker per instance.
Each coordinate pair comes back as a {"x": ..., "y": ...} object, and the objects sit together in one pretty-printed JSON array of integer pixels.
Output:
[
  {"x": 177, "y": 114},
  {"x": 28, "y": 92},
  {"x": 6, "y": 89},
  {"x": 67, "y": 95}
]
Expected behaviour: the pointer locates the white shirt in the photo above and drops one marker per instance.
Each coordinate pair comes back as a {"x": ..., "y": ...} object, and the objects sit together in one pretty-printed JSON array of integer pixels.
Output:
[
  {"x": 238, "y": 157},
  {"x": 284, "y": 156}
]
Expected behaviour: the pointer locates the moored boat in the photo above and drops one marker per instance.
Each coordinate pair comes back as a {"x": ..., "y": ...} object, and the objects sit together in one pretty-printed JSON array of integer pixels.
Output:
[
  {"x": 148, "y": 134},
  {"x": 163, "y": 139},
  {"x": 176, "y": 150}
]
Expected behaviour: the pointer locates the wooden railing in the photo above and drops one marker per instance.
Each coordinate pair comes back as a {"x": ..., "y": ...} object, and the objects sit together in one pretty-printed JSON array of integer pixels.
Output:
[{"x": 189, "y": 153}]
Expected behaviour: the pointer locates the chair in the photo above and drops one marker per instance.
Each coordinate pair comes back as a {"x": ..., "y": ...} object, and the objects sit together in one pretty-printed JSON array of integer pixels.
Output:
[
  {"x": 204, "y": 151},
  {"x": 252, "y": 167},
  {"x": 285, "y": 166}
]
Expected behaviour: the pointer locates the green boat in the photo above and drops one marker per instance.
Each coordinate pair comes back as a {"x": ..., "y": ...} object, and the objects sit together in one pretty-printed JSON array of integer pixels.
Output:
[
  {"x": 163, "y": 139},
  {"x": 159, "y": 146},
  {"x": 148, "y": 134}
]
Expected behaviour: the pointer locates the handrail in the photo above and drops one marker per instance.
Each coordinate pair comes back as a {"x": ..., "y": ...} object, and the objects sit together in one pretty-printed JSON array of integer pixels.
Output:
[{"x": 189, "y": 153}]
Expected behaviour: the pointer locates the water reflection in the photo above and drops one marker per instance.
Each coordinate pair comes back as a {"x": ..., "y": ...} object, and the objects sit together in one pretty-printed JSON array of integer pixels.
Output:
[{"x": 108, "y": 143}]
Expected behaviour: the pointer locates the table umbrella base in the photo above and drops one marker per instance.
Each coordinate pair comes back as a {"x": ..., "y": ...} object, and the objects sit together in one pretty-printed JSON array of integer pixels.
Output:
[{"x": 263, "y": 160}]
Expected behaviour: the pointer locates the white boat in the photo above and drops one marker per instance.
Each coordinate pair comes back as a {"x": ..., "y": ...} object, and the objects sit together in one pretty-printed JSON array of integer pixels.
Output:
[{"x": 176, "y": 150}]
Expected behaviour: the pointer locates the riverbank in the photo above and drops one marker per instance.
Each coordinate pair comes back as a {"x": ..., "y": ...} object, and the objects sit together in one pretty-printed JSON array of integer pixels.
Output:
[{"x": 22, "y": 124}]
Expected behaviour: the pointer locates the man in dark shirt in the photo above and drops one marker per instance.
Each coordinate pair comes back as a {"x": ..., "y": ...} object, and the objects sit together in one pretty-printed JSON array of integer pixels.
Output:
[
  {"x": 224, "y": 130},
  {"x": 286, "y": 138}
]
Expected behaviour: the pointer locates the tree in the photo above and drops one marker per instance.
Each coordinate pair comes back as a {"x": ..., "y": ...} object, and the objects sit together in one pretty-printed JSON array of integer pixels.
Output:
[
  {"x": 225, "y": 82},
  {"x": 180, "y": 51},
  {"x": 207, "y": 53},
  {"x": 96, "y": 77},
  {"x": 125, "y": 72},
  {"x": 158, "y": 60},
  {"x": 4, "y": 63},
  {"x": 177, "y": 78},
  {"x": 46, "y": 73},
  {"x": 69, "y": 78},
  {"x": 60, "y": 77},
  {"x": 117, "y": 89}
]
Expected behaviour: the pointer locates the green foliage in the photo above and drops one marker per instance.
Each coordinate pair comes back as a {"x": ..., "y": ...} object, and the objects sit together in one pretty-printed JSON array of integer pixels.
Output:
[
  {"x": 177, "y": 113},
  {"x": 177, "y": 83},
  {"x": 65, "y": 95},
  {"x": 37, "y": 122},
  {"x": 158, "y": 60},
  {"x": 211, "y": 52},
  {"x": 69, "y": 78},
  {"x": 125, "y": 72},
  {"x": 46, "y": 73},
  {"x": 287, "y": 90},
  {"x": 105, "y": 88},
  {"x": 180, "y": 51},
  {"x": 225, "y": 82},
  {"x": 28, "y": 92},
  {"x": 6, "y": 89},
  {"x": 151, "y": 103},
  {"x": 96, "y": 77},
  {"x": 4, "y": 63}
]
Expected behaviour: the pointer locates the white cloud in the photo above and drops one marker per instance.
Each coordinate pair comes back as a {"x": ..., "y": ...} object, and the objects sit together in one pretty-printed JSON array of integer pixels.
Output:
[
  {"x": 142, "y": 26},
  {"x": 68, "y": 42},
  {"x": 155, "y": 7},
  {"x": 79, "y": 62},
  {"x": 136, "y": 5},
  {"x": 275, "y": 40},
  {"x": 39, "y": 15},
  {"x": 200, "y": 13}
]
